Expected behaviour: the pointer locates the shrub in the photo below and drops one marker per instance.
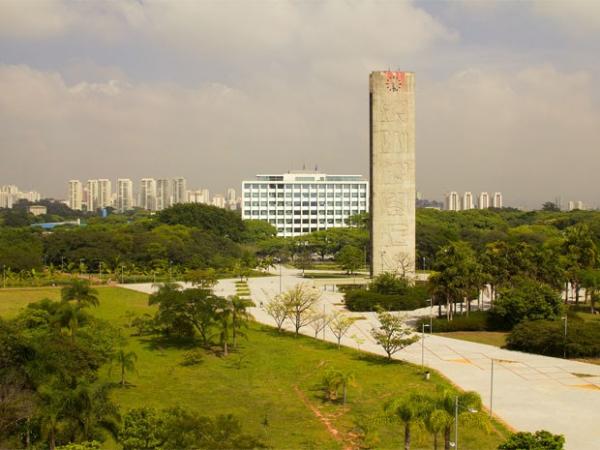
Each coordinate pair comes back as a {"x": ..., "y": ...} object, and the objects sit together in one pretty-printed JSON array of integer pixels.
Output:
[
  {"x": 192, "y": 358},
  {"x": 526, "y": 300},
  {"x": 476, "y": 321},
  {"x": 363, "y": 300},
  {"x": 546, "y": 337},
  {"x": 529, "y": 441},
  {"x": 389, "y": 284}
]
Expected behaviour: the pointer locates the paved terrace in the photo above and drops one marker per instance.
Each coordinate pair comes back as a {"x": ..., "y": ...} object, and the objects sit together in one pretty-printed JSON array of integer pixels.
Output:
[{"x": 531, "y": 392}]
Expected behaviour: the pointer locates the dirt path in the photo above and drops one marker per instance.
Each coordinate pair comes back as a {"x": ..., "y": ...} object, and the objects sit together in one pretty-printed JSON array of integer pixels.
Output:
[{"x": 335, "y": 433}]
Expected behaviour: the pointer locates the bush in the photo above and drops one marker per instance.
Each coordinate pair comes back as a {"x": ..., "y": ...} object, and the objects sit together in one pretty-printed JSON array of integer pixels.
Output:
[
  {"x": 363, "y": 300},
  {"x": 389, "y": 284},
  {"x": 192, "y": 358},
  {"x": 541, "y": 440},
  {"x": 546, "y": 337},
  {"x": 526, "y": 300},
  {"x": 476, "y": 321}
]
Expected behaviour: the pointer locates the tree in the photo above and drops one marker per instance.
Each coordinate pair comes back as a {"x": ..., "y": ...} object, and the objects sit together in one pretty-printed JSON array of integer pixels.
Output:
[
  {"x": 203, "y": 278},
  {"x": 581, "y": 254},
  {"x": 299, "y": 302},
  {"x": 80, "y": 291},
  {"x": 333, "y": 379},
  {"x": 277, "y": 308},
  {"x": 550, "y": 206},
  {"x": 349, "y": 258},
  {"x": 339, "y": 325},
  {"x": 392, "y": 334},
  {"x": 239, "y": 316},
  {"x": 540, "y": 440},
  {"x": 126, "y": 362},
  {"x": 319, "y": 320},
  {"x": 224, "y": 314},
  {"x": 526, "y": 300},
  {"x": 411, "y": 410},
  {"x": 590, "y": 280}
]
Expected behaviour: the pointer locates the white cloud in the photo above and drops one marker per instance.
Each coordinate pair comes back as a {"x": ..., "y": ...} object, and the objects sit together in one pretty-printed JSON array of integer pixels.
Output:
[{"x": 579, "y": 17}]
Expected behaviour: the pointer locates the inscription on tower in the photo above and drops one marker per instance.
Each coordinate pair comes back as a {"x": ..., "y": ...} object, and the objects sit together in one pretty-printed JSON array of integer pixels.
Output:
[{"x": 392, "y": 153}]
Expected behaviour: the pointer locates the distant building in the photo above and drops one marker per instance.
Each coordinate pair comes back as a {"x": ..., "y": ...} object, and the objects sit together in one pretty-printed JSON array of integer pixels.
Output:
[
  {"x": 483, "y": 201},
  {"x": 302, "y": 202},
  {"x": 452, "y": 202},
  {"x": 467, "y": 201},
  {"x": 576, "y": 205},
  {"x": 178, "y": 190},
  {"x": 124, "y": 194},
  {"x": 6, "y": 200},
  {"x": 75, "y": 195},
  {"x": 218, "y": 201},
  {"x": 92, "y": 195},
  {"x": 147, "y": 195},
  {"x": 104, "y": 193},
  {"x": 231, "y": 199},
  {"x": 497, "y": 200},
  {"x": 196, "y": 196},
  {"x": 163, "y": 194},
  {"x": 37, "y": 210}
]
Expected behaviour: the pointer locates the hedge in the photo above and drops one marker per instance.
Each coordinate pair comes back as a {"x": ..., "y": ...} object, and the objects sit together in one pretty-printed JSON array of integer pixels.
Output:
[
  {"x": 363, "y": 300},
  {"x": 475, "y": 321},
  {"x": 546, "y": 337}
]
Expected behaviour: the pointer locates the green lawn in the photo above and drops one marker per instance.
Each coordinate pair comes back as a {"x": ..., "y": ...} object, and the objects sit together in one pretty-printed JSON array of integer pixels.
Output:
[
  {"x": 271, "y": 383},
  {"x": 495, "y": 338}
]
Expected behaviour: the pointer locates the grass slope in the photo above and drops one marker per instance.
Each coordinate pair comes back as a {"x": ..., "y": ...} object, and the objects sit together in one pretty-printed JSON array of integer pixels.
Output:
[{"x": 271, "y": 382}]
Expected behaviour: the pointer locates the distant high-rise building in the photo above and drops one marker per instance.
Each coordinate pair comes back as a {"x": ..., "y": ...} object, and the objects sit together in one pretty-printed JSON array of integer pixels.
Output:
[
  {"x": 573, "y": 205},
  {"x": 104, "y": 193},
  {"x": 6, "y": 200},
  {"x": 218, "y": 201},
  {"x": 484, "y": 200},
  {"x": 206, "y": 196},
  {"x": 163, "y": 194},
  {"x": 92, "y": 195},
  {"x": 147, "y": 194},
  {"x": 231, "y": 199},
  {"x": 195, "y": 196},
  {"x": 497, "y": 200},
  {"x": 75, "y": 195},
  {"x": 124, "y": 194},
  {"x": 452, "y": 201},
  {"x": 467, "y": 201},
  {"x": 178, "y": 190}
]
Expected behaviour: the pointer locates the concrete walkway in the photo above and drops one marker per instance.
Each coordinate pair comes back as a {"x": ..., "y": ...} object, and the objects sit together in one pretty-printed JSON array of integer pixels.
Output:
[{"x": 531, "y": 392}]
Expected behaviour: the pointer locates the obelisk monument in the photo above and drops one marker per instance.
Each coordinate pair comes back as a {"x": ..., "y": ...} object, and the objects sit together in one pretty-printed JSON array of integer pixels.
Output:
[{"x": 392, "y": 154}]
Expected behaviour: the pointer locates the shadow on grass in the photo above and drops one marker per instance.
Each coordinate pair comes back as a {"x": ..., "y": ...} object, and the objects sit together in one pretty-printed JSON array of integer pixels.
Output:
[
  {"x": 376, "y": 360},
  {"x": 159, "y": 343}
]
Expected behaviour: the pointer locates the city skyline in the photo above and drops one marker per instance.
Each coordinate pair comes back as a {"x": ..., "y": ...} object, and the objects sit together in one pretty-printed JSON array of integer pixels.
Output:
[{"x": 508, "y": 110}]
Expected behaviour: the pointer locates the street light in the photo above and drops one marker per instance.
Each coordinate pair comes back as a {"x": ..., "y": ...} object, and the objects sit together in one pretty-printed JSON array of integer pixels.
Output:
[
  {"x": 492, "y": 390},
  {"x": 430, "y": 301},
  {"x": 471, "y": 410},
  {"x": 565, "y": 320},
  {"x": 423, "y": 346}
]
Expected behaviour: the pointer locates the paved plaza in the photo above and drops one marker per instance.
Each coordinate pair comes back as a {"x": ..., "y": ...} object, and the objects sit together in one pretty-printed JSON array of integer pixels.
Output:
[{"x": 530, "y": 392}]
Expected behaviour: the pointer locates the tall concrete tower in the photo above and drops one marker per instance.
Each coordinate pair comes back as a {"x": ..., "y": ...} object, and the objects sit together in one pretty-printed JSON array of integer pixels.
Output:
[{"x": 392, "y": 148}]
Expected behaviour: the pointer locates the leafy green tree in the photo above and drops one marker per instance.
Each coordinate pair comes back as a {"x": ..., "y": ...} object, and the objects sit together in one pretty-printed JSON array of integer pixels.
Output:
[
  {"x": 141, "y": 429},
  {"x": 590, "y": 280},
  {"x": 540, "y": 440},
  {"x": 411, "y": 410},
  {"x": 350, "y": 258},
  {"x": 257, "y": 231},
  {"x": 203, "y": 278},
  {"x": 526, "y": 300},
  {"x": 550, "y": 206},
  {"x": 392, "y": 334},
  {"x": 581, "y": 254}
]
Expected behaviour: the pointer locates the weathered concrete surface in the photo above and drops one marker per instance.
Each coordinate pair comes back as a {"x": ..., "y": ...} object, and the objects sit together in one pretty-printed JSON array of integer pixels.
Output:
[{"x": 392, "y": 148}]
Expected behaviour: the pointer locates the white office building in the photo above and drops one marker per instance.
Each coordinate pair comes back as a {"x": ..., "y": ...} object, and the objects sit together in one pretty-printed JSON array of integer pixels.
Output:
[
  {"x": 124, "y": 194},
  {"x": 467, "y": 201},
  {"x": 497, "y": 200},
  {"x": 147, "y": 198},
  {"x": 232, "y": 201},
  {"x": 6, "y": 200},
  {"x": 452, "y": 202},
  {"x": 75, "y": 195},
  {"x": 301, "y": 202}
]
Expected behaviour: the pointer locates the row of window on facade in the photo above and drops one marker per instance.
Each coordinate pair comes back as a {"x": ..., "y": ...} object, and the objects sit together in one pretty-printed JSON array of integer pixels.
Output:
[
  {"x": 344, "y": 194},
  {"x": 304, "y": 212},
  {"x": 307, "y": 221},
  {"x": 308, "y": 186},
  {"x": 249, "y": 204}
]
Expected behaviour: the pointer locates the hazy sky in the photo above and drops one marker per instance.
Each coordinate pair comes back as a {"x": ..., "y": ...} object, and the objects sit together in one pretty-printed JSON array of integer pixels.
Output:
[{"x": 508, "y": 93}]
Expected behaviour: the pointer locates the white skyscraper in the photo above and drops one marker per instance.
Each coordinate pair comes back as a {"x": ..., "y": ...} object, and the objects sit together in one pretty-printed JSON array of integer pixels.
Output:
[
  {"x": 467, "y": 201},
  {"x": 178, "y": 190},
  {"x": 75, "y": 194},
  {"x": 452, "y": 201},
  {"x": 124, "y": 194},
  {"x": 231, "y": 199},
  {"x": 484, "y": 200},
  {"x": 497, "y": 200},
  {"x": 104, "y": 193},
  {"x": 6, "y": 200},
  {"x": 218, "y": 201},
  {"x": 148, "y": 194},
  {"x": 163, "y": 194},
  {"x": 92, "y": 195}
]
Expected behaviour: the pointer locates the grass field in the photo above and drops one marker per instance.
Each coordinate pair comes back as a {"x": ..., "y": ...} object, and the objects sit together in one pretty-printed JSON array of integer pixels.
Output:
[
  {"x": 495, "y": 338},
  {"x": 271, "y": 383}
]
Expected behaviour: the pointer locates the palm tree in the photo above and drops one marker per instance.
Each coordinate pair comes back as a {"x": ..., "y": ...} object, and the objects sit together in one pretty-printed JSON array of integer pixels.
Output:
[
  {"x": 224, "y": 313},
  {"x": 239, "y": 316},
  {"x": 126, "y": 362},
  {"x": 80, "y": 291},
  {"x": 411, "y": 410},
  {"x": 439, "y": 420},
  {"x": 69, "y": 316},
  {"x": 92, "y": 410},
  {"x": 346, "y": 378}
]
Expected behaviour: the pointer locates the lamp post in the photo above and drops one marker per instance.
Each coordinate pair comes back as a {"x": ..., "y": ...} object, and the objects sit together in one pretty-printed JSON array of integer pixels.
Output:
[
  {"x": 430, "y": 301},
  {"x": 423, "y": 346},
  {"x": 565, "y": 320},
  {"x": 4, "y": 276},
  {"x": 492, "y": 390},
  {"x": 471, "y": 410},
  {"x": 280, "y": 277}
]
